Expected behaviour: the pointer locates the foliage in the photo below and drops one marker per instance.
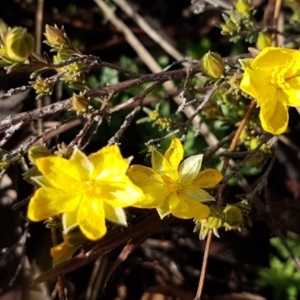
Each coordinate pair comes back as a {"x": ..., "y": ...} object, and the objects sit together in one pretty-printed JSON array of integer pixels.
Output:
[{"x": 282, "y": 275}]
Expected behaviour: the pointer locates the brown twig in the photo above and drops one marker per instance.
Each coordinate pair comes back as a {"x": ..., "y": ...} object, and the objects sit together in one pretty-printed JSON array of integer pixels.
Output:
[
  {"x": 60, "y": 281},
  {"x": 232, "y": 147},
  {"x": 277, "y": 9},
  {"x": 38, "y": 36}
]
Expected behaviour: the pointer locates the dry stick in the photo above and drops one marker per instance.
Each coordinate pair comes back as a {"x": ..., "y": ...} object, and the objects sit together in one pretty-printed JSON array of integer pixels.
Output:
[
  {"x": 236, "y": 137},
  {"x": 204, "y": 266},
  {"x": 152, "y": 33},
  {"x": 275, "y": 21},
  {"x": 96, "y": 93},
  {"x": 130, "y": 117},
  {"x": 232, "y": 147},
  {"x": 145, "y": 56},
  {"x": 60, "y": 282},
  {"x": 220, "y": 3},
  {"x": 38, "y": 36}
]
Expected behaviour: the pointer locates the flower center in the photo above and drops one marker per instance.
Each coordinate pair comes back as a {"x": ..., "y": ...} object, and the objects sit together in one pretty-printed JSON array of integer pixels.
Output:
[
  {"x": 278, "y": 78},
  {"x": 173, "y": 186},
  {"x": 90, "y": 188}
]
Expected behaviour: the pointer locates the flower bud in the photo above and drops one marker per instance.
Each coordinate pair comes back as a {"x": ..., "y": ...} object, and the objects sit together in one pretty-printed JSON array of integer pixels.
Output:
[
  {"x": 233, "y": 217},
  {"x": 42, "y": 87},
  {"x": 4, "y": 164},
  {"x": 79, "y": 102},
  {"x": 254, "y": 142},
  {"x": 229, "y": 28},
  {"x": 64, "y": 151},
  {"x": 55, "y": 37},
  {"x": 212, "y": 223},
  {"x": 212, "y": 65},
  {"x": 36, "y": 152},
  {"x": 243, "y": 7},
  {"x": 264, "y": 40},
  {"x": 235, "y": 80},
  {"x": 257, "y": 160},
  {"x": 17, "y": 46}
]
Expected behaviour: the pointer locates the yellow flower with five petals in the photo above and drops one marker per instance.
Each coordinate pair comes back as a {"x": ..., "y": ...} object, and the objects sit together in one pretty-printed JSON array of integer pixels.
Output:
[
  {"x": 173, "y": 187},
  {"x": 86, "y": 190},
  {"x": 273, "y": 80}
]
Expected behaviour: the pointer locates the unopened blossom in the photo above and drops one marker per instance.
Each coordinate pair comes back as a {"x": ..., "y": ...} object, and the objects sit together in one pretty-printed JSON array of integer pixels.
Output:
[
  {"x": 175, "y": 187},
  {"x": 86, "y": 190},
  {"x": 272, "y": 78}
]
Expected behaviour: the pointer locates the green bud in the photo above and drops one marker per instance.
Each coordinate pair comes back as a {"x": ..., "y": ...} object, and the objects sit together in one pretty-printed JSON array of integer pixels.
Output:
[
  {"x": 212, "y": 65},
  {"x": 64, "y": 151},
  {"x": 63, "y": 54},
  {"x": 42, "y": 87},
  {"x": 257, "y": 160},
  {"x": 36, "y": 152},
  {"x": 229, "y": 28},
  {"x": 243, "y": 7},
  {"x": 17, "y": 45},
  {"x": 235, "y": 80},
  {"x": 79, "y": 102},
  {"x": 244, "y": 135},
  {"x": 264, "y": 40},
  {"x": 212, "y": 223},
  {"x": 254, "y": 142},
  {"x": 233, "y": 217},
  {"x": 55, "y": 37},
  {"x": 154, "y": 115},
  {"x": 4, "y": 164},
  {"x": 246, "y": 63}
]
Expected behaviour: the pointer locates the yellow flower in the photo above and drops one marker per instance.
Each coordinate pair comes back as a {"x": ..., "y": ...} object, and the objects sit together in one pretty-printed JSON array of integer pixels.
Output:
[
  {"x": 17, "y": 45},
  {"x": 273, "y": 79},
  {"x": 175, "y": 188},
  {"x": 86, "y": 190}
]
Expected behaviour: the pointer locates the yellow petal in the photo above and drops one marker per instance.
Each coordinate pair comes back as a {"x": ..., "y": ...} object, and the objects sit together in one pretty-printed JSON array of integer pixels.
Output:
[
  {"x": 69, "y": 221},
  {"x": 159, "y": 163},
  {"x": 82, "y": 162},
  {"x": 190, "y": 209},
  {"x": 164, "y": 209},
  {"x": 47, "y": 202},
  {"x": 274, "y": 55},
  {"x": 151, "y": 184},
  {"x": 115, "y": 214},
  {"x": 190, "y": 168},
  {"x": 174, "y": 154},
  {"x": 256, "y": 83},
  {"x": 207, "y": 179},
  {"x": 179, "y": 207},
  {"x": 122, "y": 194},
  {"x": 60, "y": 172},
  {"x": 198, "y": 195},
  {"x": 201, "y": 210},
  {"x": 91, "y": 218},
  {"x": 273, "y": 116},
  {"x": 108, "y": 164},
  {"x": 293, "y": 94},
  {"x": 246, "y": 63}
]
